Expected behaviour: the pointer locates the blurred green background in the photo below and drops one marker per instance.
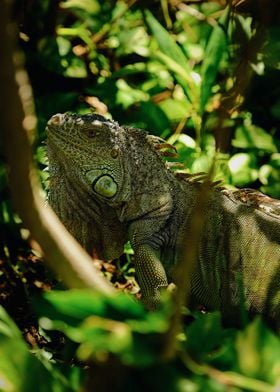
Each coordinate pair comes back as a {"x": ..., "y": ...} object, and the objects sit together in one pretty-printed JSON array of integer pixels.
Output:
[{"x": 201, "y": 69}]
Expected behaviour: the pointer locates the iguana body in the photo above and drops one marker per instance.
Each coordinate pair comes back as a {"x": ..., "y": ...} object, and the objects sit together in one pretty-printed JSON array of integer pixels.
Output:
[{"x": 109, "y": 184}]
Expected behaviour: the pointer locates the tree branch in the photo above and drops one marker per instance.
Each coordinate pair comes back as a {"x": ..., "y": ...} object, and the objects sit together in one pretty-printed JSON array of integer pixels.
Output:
[{"x": 18, "y": 122}]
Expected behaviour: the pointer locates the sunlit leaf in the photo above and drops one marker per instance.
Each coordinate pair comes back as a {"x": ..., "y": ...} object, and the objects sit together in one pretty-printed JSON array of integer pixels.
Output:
[
  {"x": 133, "y": 41},
  {"x": 202, "y": 164},
  {"x": 81, "y": 31},
  {"x": 243, "y": 169},
  {"x": 75, "y": 68},
  {"x": 183, "y": 139},
  {"x": 172, "y": 55},
  {"x": 127, "y": 96},
  {"x": 175, "y": 109},
  {"x": 79, "y": 304},
  {"x": 251, "y": 136},
  {"x": 269, "y": 176},
  {"x": 258, "y": 352}
]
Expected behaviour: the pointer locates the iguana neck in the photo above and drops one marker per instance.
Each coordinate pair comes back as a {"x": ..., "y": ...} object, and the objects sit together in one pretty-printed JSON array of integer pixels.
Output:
[{"x": 151, "y": 185}]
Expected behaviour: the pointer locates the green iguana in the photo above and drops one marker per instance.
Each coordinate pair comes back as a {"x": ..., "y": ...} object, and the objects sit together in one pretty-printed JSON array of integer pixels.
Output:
[{"x": 109, "y": 184}]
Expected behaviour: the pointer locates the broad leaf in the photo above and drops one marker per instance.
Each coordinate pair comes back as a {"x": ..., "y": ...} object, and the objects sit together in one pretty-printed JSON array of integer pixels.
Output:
[{"x": 213, "y": 54}]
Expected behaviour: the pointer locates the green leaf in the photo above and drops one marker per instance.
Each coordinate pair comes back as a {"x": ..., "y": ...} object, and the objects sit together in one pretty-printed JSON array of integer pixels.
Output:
[
  {"x": 90, "y": 6},
  {"x": 63, "y": 45},
  {"x": 7, "y": 326},
  {"x": 269, "y": 176},
  {"x": 175, "y": 109},
  {"x": 166, "y": 43},
  {"x": 81, "y": 31},
  {"x": 133, "y": 41},
  {"x": 21, "y": 371},
  {"x": 202, "y": 163},
  {"x": 130, "y": 69},
  {"x": 127, "y": 96},
  {"x": 75, "y": 68},
  {"x": 251, "y": 136},
  {"x": 172, "y": 55},
  {"x": 186, "y": 148},
  {"x": 214, "y": 52},
  {"x": 258, "y": 352},
  {"x": 74, "y": 306},
  {"x": 103, "y": 325},
  {"x": 151, "y": 117},
  {"x": 243, "y": 169},
  {"x": 204, "y": 334},
  {"x": 272, "y": 48},
  {"x": 182, "y": 139}
]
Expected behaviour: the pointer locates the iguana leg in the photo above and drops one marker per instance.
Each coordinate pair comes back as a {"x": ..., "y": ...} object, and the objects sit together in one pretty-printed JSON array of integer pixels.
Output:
[{"x": 150, "y": 274}]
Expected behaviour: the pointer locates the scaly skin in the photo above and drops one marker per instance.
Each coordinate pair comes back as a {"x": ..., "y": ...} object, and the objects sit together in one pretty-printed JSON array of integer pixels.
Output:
[{"x": 109, "y": 184}]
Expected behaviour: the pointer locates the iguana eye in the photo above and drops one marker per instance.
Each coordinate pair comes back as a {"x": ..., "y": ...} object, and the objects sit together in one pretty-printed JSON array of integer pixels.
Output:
[
  {"x": 90, "y": 133},
  {"x": 114, "y": 153},
  {"x": 105, "y": 186}
]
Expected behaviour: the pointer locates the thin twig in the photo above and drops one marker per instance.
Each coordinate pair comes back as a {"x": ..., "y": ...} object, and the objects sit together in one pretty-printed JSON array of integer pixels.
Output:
[
  {"x": 18, "y": 122},
  {"x": 186, "y": 265}
]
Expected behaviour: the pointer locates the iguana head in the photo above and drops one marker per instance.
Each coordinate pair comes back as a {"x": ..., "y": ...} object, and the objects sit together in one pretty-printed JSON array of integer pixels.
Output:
[
  {"x": 103, "y": 164},
  {"x": 89, "y": 148}
]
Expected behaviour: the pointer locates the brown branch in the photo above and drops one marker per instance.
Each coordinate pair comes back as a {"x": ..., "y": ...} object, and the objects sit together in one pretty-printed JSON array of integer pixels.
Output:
[
  {"x": 17, "y": 123},
  {"x": 186, "y": 266}
]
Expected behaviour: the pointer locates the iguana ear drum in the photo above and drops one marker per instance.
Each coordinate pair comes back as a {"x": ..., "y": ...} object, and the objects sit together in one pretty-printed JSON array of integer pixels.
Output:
[{"x": 105, "y": 186}]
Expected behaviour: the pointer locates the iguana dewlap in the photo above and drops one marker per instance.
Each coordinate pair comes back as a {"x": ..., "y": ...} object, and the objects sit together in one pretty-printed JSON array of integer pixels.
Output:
[{"x": 109, "y": 184}]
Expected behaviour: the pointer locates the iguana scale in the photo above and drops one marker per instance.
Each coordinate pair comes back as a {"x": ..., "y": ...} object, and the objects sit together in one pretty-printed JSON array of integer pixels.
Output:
[{"x": 109, "y": 184}]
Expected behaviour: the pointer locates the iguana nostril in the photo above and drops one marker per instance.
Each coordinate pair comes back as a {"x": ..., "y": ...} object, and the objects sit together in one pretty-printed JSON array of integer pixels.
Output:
[
  {"x": 114, "y": 153},
  {"x": 57, "y": 119}
]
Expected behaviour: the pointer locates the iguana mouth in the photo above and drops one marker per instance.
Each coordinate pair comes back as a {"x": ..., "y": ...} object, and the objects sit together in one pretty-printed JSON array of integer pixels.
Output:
[{"x": 96, "y": 120}]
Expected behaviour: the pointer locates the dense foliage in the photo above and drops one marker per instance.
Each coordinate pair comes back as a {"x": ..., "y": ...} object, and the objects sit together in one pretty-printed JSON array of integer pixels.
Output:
[{"x": 202, "y": 74}]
